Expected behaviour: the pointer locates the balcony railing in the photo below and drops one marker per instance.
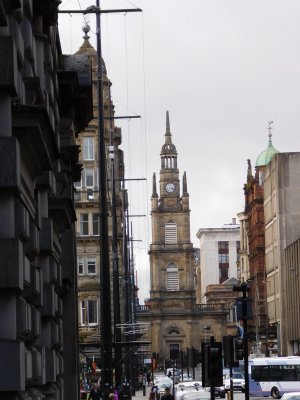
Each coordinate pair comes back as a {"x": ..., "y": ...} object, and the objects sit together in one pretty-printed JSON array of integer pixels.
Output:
[
  {"x": 86, "y": 195},
  {"x": 199, "y": 308}
]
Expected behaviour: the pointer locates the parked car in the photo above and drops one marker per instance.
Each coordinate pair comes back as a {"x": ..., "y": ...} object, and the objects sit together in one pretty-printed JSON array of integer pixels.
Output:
[
  {"x": 198, "y": 395},
  {"x": 161, "y": 384},
  {"x": 291, "y": 396},
  {"x": 238, "y": 382},
  {"x": 187, "y": 386},
  {"x": 219, "y": 391},
  {"x": 196, "y": 386}
]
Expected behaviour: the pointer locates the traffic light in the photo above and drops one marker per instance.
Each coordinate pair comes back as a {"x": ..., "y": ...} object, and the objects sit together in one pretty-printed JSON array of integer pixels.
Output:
[
  {"x": 238, "y": 349},
  {"x": 212, "y": 369},
  {"x": 228, "y": 352},
  {"x": 216, "y": 367}
]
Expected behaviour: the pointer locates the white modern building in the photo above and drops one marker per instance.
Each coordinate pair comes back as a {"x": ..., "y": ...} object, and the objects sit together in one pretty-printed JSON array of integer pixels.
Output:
[{"x": 219, "y": 254}]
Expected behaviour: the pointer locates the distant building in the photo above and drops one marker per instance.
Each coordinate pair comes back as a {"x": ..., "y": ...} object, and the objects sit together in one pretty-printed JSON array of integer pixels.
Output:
[
  {"x": 176, "y": 321},
  {"x": 272, "y": 215},
  {"x": 219, "y": 255}
]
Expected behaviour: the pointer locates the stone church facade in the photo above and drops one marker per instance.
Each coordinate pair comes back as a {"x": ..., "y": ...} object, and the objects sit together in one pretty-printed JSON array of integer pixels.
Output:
[{"x": 176, "y": 321}]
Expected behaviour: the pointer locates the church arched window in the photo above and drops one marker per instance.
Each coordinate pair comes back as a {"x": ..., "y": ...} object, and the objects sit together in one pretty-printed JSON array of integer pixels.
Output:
[
  {"x": 171, "y": 233},
  {"x": 172, "y": 281}
]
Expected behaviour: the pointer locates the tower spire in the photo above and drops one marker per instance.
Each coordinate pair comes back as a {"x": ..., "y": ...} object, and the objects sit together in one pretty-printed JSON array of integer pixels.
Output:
[
  {"x": 168, "y": 152},
  {"x": 168, "y": 136}
]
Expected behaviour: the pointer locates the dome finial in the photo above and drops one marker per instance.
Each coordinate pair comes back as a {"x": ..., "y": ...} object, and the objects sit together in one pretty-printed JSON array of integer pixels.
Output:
[
  {"x": 270, "y": 129},
  {"x": 86, "y": 28}
]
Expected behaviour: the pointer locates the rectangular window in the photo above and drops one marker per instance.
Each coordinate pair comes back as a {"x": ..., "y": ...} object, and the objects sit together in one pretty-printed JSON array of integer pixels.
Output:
[
  {"x": 80, "y": 265},
  {"x": 96, "y": 224},
  {"x": 92, "y": 311},
  {"x": 91, "y": 265},
  {"x": 88, "y": 148},
  {"x": 172, "y": 278},
  {"x": 223, "y": 258},
  {"x": 88, "y": 310},
  {"x": 223, "y": 274},
  {"x": 89, "y": 177},
  {"x": 84, "y": 224},
  {"x": 223, "y": 245},
  {"x": 83, "y": 313},
  {"x": 171, "y": 233}
]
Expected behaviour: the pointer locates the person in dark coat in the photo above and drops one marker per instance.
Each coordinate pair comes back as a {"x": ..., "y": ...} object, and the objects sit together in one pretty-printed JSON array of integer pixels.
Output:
[
  {"x": 125, "y": 393},
  {"x": 167, "y": 395},
  {"x": 95, "y": 393}
]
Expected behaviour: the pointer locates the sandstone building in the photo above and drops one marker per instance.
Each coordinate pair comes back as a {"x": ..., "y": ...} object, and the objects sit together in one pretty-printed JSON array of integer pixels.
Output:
[
  {"x": 176, "y": 320},
  {"x": 271, "y": 222},
  {"x": 45, "y": 100}
]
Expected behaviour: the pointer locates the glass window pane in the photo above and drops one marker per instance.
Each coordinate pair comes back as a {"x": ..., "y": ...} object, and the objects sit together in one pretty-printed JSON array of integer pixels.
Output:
[
  {"x": 91, "y": 265},
  {"x": 88, "y": 148},
  {"x": 95, "y": 224},
  {"x": 83, "y": 313},
  {"x": 84, "y": 224},
  {"x": 80, "y": 265},
  {"x": 92, "y": 312},
  {"x": 89, "y": 177}
]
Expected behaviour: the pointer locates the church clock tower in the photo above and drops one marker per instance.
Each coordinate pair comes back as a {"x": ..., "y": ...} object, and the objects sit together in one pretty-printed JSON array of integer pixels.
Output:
[{"x": 172, "y": 294}]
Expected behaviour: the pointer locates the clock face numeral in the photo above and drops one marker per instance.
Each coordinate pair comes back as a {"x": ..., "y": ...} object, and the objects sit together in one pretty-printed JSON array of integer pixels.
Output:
[{"x": 170, "y": 187}]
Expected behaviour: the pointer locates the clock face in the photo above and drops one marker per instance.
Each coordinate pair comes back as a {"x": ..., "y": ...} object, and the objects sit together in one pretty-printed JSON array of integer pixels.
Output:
[{"x": 170, "y": 187}]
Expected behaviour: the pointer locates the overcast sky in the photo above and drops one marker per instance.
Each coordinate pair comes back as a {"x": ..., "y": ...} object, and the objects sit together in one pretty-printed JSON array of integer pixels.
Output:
[{"x": 223, "y": 69}]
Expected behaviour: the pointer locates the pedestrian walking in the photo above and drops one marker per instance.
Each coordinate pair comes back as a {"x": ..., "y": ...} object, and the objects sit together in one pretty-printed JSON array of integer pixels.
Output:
[
  {"x": 95, "y": 393},
  {"x": 167, "y": 395},
  {"x": 125, "y": 393}
]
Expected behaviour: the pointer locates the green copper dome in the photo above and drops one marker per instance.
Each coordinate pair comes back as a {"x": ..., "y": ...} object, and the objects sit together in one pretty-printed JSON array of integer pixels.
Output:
[{"x": 265, "y": 156}]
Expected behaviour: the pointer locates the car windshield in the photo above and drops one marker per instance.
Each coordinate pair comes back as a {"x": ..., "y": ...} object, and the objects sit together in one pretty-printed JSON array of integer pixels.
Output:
[
  {"x": 238, "y": 375},
  {"x": 164, "y": 383}
]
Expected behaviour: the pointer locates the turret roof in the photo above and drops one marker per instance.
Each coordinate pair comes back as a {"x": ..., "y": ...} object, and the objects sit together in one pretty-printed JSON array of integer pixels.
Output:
[{"x": 265, "y": 156}]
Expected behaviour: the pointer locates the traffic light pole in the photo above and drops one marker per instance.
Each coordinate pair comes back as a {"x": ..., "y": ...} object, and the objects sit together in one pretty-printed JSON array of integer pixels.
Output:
[
  {"x": 212, "y": 373},
  {"x": 245, "y": 288}
]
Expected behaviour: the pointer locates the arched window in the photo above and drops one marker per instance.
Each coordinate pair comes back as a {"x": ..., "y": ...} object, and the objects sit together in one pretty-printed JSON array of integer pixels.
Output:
[
  {"x": 172, "y": 277},
  {"x": 174, "y": 330},
  {"x": 171, "y": 233}
]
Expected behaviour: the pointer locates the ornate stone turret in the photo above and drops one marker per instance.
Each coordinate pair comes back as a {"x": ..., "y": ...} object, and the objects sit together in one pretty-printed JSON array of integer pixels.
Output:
[
  {"x": 185, "y": 195},
  {"x": 154, "y": 198},
  {"x": 168, "y": 152}
]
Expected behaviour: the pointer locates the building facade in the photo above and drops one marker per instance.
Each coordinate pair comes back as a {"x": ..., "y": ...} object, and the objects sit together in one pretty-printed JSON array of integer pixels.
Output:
[
  {"x": 219, "y": 255},
  {"x": 282, "y": 231},
  {"x": 176, "y": 322},
  {"x": 88, "y": 230},
  {"x": 272, "y": 228},
  {"x": 254, "y": 223},
  {"x": 45, "y": 100}
]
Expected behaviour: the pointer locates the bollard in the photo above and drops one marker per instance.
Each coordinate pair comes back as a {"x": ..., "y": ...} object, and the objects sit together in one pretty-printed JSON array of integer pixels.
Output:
[{"x": 144, "y": 390}]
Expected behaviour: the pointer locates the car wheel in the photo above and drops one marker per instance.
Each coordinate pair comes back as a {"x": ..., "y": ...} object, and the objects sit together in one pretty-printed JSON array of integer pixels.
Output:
[
  {"x": 275, "y": 393},
  {"x": 222, "y": 395}
]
